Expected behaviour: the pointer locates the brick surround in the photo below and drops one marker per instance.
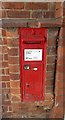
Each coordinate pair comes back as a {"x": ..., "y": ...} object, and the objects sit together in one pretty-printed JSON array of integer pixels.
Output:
[{"x": 36, "y": 15}]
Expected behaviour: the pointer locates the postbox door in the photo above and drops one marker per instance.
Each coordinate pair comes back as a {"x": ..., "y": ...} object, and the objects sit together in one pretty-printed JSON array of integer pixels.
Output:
[{"x": 33, "y": 82}]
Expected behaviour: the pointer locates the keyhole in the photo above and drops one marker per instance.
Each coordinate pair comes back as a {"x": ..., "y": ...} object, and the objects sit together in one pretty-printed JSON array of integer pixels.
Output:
[{"x": 27, "y": 85}]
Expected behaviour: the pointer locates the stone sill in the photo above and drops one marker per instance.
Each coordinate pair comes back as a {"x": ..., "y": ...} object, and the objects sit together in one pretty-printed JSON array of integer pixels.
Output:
[{"x": 16, "y": 22}]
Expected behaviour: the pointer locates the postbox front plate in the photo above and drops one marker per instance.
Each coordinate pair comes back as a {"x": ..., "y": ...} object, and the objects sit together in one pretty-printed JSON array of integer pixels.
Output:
[
  {"x": 32, "y": 63},
  {"x": 33, "y": 82}
]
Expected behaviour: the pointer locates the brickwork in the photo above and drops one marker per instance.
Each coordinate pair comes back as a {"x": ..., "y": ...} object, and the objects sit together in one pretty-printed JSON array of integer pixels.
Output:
[
  {"x": 58, "y": 110},
  {"x": 59, "y": 99},
  {"x": 64, "y": 51},
  {"x": 37, "y": 15}
]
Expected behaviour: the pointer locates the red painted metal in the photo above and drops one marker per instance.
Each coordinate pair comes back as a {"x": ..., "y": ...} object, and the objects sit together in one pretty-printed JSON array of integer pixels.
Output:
[{"x": 32, "y": 73}]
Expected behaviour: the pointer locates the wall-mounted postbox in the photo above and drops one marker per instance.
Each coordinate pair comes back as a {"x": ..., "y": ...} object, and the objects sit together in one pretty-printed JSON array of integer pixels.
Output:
[{"x": 32, "y": 63}]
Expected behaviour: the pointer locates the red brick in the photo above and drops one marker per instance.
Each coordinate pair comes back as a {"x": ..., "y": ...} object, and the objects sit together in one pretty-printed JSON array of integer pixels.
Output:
[
  {"x": 6, "y": 96},
  {"x": 4, "y": 50},
  {"x": 59, "y": 91},
  {"x": 12, "y": 5},
  {"x": 17, "y": 14},
  {"x": 60, "y": 68},
  {"x": 64, "y": 90},
  {"x": 48, "y": 103},
  {"x": 59, "y": 111},
  {"x": 5, "y": 64},
  {"x": 50, "y": 67},
  {"x": 61, "y": 32},
  {"x": 64, "y": 21},
  {"x": 63, "y": 4},
  {"x": 49, "y": 89},
  {"x": 2, "y": 13},
  {"x": 59, "y": 13},
  {"x": 36, "y": 14},
  {"x": 58, "y": 5},
  {"x": 52, "y": 33},
  {"x": 13, "y": 61},
  {"x": 50, "y": 59},
  {"x": 5, "y": 108},
  {"x": 51, "y": 51},
  {"x": 4, "y": 85},
  {"x": 13, "y": 42},
  {"x": 1, "y": 41},
  {"x": 1, "y": 57},
  {"x": 14, "y": 76},
  {"x": 5, "y": 57},
  {"x": 1, "y": 71},
  {"x": 14, "y": 68},
  {"x": 1, "y": 49},
  {"x": 49, "y": 75},
  {"x": 5, "y": 78},
  {"x": 6, "y": 71},
  {"x": 10, "y": 108},
  {"x": 5, "y": 41},
  {"x": 59, "y": 84},
  {"x": 13, "y": 84},
  {"x": 16, "y": 98},
  {"x": 1, "y": 64},
  {"x": 17, "y": 112},
  {"x": 4, "y": 32},
  {"x": 15, "y": 91},
  {"x": 0, "y": 102},
  {"x": 36, "y": 6},
  {"x": 12, "y": 32},
  {"x": 52, "y": 6},
  {"x": 8, "y": 84},
  {"x": 13, "y": 52},
  {"x": 51, "y": 42},
  {"x": 0, "y": 4},
  {"x": 59, "y": 99},
  {"x": 61, "y": 50},
  {"x": 59, "y": 76},
  {"x": 63, "y": 11},
  {"x": 49, "y": 83},
  {"x": 61, "y": 42},
  {"x": 60, "y": 60},
  {"x": 0, "y": 31},
  {"x": 64, "y": 100},
  {"x": 17, "y": 105},
  {"x": 7, "y": 115},
  {"x": 6, "y": 102},
  {"x": 6, "y": 91},
  {"x": 48, "y": 14},
  {"x": 61, "y": 116},
  {"x": 48, "y": 96}
]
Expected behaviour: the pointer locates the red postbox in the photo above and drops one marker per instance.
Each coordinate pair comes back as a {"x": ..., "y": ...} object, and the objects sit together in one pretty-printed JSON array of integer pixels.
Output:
[{"x": 32, "y": 63}]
